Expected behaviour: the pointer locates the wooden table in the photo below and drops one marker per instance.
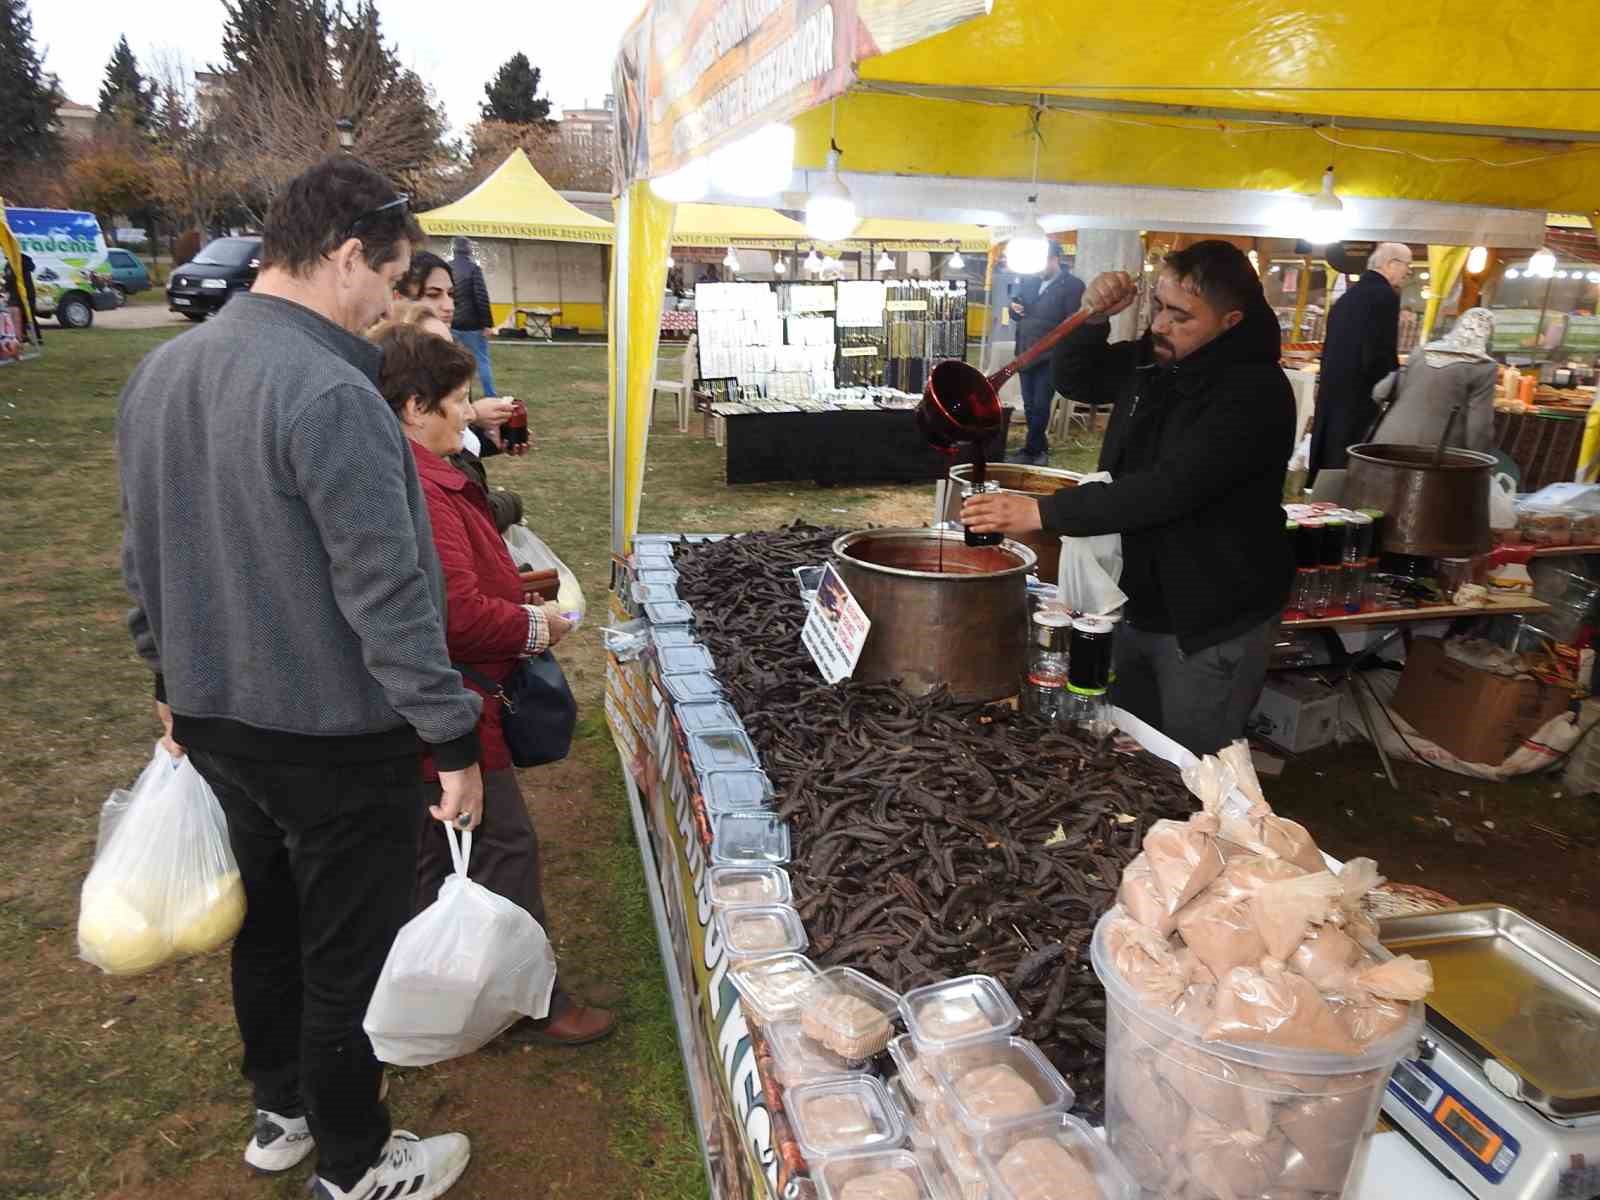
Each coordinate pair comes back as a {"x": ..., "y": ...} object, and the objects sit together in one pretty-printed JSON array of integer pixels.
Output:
[{"x": 1496, "y": 607}]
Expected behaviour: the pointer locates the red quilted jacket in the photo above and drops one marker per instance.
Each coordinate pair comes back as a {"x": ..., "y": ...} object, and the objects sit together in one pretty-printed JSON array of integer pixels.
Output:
[{"x": 486, "y": 627}]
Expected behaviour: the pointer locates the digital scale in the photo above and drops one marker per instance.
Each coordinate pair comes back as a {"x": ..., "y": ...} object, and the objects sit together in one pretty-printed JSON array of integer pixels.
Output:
[{"x": 1503, "y": 1090}]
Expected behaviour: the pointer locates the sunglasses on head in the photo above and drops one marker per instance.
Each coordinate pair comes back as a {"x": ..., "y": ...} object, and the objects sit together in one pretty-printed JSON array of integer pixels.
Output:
[{"x": 396, "y": 206}]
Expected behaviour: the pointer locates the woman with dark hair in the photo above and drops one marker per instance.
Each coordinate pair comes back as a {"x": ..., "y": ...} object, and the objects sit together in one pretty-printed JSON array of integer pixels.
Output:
[{"x": 487, "y": 629}]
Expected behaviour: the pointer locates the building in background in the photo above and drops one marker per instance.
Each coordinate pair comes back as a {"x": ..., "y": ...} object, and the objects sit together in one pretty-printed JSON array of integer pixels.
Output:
[
  {"x": 76, "y": 122},
  {"x": 589, "y": 127}
]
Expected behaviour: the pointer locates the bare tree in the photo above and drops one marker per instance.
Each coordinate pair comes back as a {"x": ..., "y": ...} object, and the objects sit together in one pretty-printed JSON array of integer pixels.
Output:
[
  {"x": 195, "y": 181},
  {"x": 577, "y": 164}
]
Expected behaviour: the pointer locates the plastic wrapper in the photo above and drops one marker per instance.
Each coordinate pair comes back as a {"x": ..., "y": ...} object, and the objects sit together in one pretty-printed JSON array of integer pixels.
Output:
[
  {"x": 1153, "y": 1105},
  {"x": 1285, "y": 911},
  {"x": 1142, "y": 897},
  {"x": 1326, "y": 957},
  {"x": 1272, "y": 1004},
  {"x": 1147, "y": 961},
  {"x": 459, "y": 973},
  {"x": 164, "y": 883},
  {"x": 530, "y": 553},
  {"x": 1226, "y": 1163},
  {"x": 1184, "y": 857},
  {"x": 1221, "y": 930},
  {"x": 1324, "y": 1133},
  {"x": 1376, "y": 1001}
]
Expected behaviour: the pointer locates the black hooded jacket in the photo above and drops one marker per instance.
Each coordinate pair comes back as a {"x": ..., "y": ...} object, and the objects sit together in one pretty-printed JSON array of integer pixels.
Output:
[{"x": 1197, "y": 453}]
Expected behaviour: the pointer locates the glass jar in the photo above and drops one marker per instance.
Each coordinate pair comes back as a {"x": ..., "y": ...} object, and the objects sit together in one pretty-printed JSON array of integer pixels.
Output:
[{"x": 1045, "y": 686}]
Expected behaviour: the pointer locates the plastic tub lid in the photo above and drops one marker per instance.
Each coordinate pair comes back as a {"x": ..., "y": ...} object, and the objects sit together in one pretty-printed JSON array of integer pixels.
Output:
[
  {"x": 1381, "y": 1054},
  {"x": 685, "y": 660},
  {"x": 955, "y": 1012},
  {"x": 673, "y": 635},
  {"x": 992, "y": 1083},
  {"x": 848, "y": 1176},
  {"x": 796, "y": 1059},
  {"x": 655, "y": 593},
  {"x": 652, "y": 575},
  {"x": 736, "y": 791},
  {"x": 713, "y": 714},
  {"x": 692, "y": 688},
  {"x": 774, "y": 987},
  {"x": 838, "y": 1116},
  {"x": 757, "y": 930},
  {"x": 641, "y": 540},
  {"x": 1033, "y": 1148},
  {"x": 916, "y": 1069},
  {"x": 723, "y": 750},
  {"x": 864, "y": 1020},
  {"x": 669, "y": 612},
  {"x": 753, "y": 837},
  {"x": 736, "y": 887}
]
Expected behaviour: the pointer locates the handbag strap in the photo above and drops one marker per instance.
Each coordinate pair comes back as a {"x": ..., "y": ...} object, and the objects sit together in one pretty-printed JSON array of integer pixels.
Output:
[
  {"x": 496, "y": 691},
  {"x": 460, "y": 846}
]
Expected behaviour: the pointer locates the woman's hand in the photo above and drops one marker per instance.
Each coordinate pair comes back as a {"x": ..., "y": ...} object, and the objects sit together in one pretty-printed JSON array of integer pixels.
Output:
[
  {"x": 558, "y": 624},
  {"x": 491, "y": 412}
]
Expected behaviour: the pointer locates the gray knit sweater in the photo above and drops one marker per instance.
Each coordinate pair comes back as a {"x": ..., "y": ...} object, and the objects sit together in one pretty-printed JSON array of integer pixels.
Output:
[{"x": 276, "y": 545}]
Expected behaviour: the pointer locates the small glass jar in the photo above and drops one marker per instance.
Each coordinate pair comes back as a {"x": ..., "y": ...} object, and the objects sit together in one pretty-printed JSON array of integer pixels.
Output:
[
  {"x": 1045, "y": 685},
  {"x": 980, "y": 539}
]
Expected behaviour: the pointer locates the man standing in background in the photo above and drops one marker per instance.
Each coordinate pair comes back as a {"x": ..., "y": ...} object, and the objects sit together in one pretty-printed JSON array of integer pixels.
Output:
[
  {"x": 1362, "y": 347},
  {"x": 473, "y": 318},
  {"x": 1045, "y": 301}
]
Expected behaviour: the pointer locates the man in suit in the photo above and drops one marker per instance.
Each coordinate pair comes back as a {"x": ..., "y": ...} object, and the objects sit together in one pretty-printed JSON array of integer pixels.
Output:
[
  {"x": 1361, "y": 348},
  {"x": 1045, "y": 301}
]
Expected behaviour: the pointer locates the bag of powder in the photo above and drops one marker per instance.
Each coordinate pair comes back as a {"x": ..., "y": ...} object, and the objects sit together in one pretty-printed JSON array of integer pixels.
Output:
[
  {"x": 1272, "y": 1004},
  {"x": 1142, "y": 897},
  {"x": 1184, "y": 857},
  {"x": 1286, "y": 910},
  {"x": 1145, "y": 961}
]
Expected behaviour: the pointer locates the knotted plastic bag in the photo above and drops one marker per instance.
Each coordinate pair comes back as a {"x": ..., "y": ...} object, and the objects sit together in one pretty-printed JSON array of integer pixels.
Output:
[
  {"x": 164, "y": 883},
  {"x": 460, "y": 973},
  {"x": 1087, "y": 581},
  {"x": 529, "y": 552}
]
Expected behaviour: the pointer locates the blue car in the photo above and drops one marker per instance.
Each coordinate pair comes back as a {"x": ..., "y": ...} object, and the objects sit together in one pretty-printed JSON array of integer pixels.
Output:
[{"x": 128, "y": 274}]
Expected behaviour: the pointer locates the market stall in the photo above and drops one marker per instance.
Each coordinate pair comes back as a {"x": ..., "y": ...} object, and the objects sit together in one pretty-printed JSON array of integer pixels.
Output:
[{"x": 884, "y": 802}]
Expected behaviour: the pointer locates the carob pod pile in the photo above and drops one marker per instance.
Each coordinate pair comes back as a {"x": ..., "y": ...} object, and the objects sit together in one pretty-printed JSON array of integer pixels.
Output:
[{"x": 931, "y": 838}]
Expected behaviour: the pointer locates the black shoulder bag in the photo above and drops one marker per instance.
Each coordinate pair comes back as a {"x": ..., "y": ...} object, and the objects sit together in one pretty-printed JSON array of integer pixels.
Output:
[{"x": 539, "y": 710}]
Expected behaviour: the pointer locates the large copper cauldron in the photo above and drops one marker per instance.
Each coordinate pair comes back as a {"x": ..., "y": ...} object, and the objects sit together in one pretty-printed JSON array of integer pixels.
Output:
[
  {"x": 1436, "y": 502},
  {"x": 965, "y": 625},
  {"x": 1024, "y": 481}
]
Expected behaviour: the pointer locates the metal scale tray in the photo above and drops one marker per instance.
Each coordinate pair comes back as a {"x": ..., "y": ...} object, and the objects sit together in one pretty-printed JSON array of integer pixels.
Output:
[{"x": 1522, "y": 1001}]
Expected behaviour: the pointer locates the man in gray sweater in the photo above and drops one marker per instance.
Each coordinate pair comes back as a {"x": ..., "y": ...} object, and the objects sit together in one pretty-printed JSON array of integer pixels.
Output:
[{"x": 287, "y": 596}]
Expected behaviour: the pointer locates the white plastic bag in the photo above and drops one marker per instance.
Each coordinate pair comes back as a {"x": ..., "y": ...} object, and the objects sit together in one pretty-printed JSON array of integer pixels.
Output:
[
  {"x": 529, "y": 552},
  {"x": 1090, "y": 569},
  {"x": 1502, "y": 506},
  {"x": 459, "y": 974},
  {"x": 164, "y": 884}
]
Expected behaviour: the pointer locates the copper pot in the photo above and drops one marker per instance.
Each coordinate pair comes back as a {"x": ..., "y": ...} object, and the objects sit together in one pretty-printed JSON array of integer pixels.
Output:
[
  {"x": 1435, "y": 503},
  {"x": 1023, "y": 481}
]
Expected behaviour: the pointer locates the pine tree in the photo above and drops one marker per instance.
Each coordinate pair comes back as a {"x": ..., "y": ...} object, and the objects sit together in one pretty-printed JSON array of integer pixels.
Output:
[
  {"x": 514, "y": 94},
  {"x": 28, "y": 97},
  {"x": 126, "y": 97}
]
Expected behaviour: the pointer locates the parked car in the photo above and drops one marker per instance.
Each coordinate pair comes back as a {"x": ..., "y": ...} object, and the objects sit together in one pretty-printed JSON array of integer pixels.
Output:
[
  {"x": 225, "y": 267},
  {"x": 128, "y": 274},
  {"x": 71, "y": 266}
]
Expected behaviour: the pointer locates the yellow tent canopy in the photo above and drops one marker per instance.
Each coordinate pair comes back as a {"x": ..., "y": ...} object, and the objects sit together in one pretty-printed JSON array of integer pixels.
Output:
[
  {"x": 734, "y": 225},
  {"x": 892, "y": 233},
  {"x": 515, "y": 202}
]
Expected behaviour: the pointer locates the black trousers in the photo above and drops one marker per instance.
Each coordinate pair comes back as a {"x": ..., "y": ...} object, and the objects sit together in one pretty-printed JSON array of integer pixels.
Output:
[
  {"x": 1201, "y": 701},
  {"x": 328, "y": 858}
]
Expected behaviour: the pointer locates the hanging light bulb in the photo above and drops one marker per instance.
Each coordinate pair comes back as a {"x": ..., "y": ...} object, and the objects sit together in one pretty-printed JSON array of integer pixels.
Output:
[
  {"x": 885, "y": 263},
  {"x": 813, "y": 263},
  {"x": 1561, "y": 274},
  {"x": 1593, "y": 276},
  {"x": 955, "y": 262},
  {"x": 1513, "y": 273},
  {"x": 780, "y": 267},
  {"x": 830, "y": 212},
  {"x": 1477, "y": 260},
  {"x": 1325, "y": 222},
  {"x": 731, "y": 260},
  {"x": 1542, "y": 265},
  {"x": 1029, "y": 246}
]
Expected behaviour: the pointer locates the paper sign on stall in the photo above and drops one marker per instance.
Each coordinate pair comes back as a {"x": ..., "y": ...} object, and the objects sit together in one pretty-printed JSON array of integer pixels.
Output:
[{"x": 835, "y": 629}]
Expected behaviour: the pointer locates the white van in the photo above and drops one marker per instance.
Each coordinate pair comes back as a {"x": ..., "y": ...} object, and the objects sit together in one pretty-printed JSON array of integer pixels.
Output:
[{"x": 71, "y": 264}]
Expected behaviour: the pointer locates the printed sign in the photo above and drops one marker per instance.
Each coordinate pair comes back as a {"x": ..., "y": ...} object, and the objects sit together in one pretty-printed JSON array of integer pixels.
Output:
[{"x": 836, "y": 629}]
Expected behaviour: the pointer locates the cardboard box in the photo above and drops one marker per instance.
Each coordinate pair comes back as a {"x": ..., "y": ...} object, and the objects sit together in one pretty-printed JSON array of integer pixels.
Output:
[
  {"x": 1296, "y": 713},
  {"x": 1478, "y": 716}
]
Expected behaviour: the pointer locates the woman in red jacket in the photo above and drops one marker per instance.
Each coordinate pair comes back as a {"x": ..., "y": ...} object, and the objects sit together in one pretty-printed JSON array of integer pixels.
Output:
[{"x": 487, "y": 629}]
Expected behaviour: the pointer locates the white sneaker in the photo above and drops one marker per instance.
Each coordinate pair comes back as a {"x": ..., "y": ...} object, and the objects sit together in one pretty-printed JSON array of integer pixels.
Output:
[
  {"x": 279, "y": 1142},
  {"x": 412, "y": 1167}
]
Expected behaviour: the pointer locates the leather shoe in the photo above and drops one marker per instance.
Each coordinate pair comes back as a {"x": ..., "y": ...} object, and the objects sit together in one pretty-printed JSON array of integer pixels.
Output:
[{"x": 578, "y": 1025}]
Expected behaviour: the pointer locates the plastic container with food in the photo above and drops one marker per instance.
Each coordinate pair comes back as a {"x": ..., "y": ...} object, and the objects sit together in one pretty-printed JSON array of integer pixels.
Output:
[
  {"x": 757, "y": 930},
  {"x": 657, "y": 574},
  {"x": 773, "y": 988},
  {"x": 879, "y": 1175},
  {"x": 1184, "y": 1113},
  {"x": 733, "y": 887},
  {"x": 707, "y": 717},
  {"x": 692, "y": 689},
  {"x": 843, "y": 1116},
  {"x": 749, "y": 837},
  {"x": 683, "y": 660},
  {"x": 912, "y": 1114},
  {"x": 995, "y": 1082},
  {"x": 850, "y": 1013},
  {"x": 669, "y": 612},
  {"x": 916, "y": 1068},
  {"x": 672, "y": 635},
  {"x": 654, "y": 593},
  {"x": 736, "y": 791},
  {"x": 723, "y": 750},
  {"x": 956, "y": 1012},
  {"x": 954, "y": 1165},
  {"x": 1053, "y": 1157},
  {"x": 796, "y": 1059}
]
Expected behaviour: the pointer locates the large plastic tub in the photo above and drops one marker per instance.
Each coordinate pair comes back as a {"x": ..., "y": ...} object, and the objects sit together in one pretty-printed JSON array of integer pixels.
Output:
[{"x": 1187, "y": 1116}]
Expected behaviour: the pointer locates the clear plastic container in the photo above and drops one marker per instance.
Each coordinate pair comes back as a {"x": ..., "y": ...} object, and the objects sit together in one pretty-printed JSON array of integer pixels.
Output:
[
  {"x": 669, "y": 612},
  {"x": 773, "y": 988},
  {"x": 957, "y": 1012},
  {"x": 723, "y": 750},
  {"x": 704, "y": 718},
  {"x": 850, "y": 1013},
  {"x": 684, "y": 660},
  {"x": 667, "y": 575},
  {"x": 749, "y": 838},
  {"x": 650, "y": 594},
  {"x": 916, "y": 1069},
  {"x": 692, "y": 689},
  {"x": 659, "y": 542},
  {"x": 673, "y": 635},
  {"x": 911, "y": 1113},
  {"x": 881, "y": 1175},
  {"x": 740, "y": 887},
  {"x": 993, "y": 1083},
  {"x": 1276, "y": 1121},
  {"x": 758, "y": 930},
  {"x": 736, "y": 791},
  {"x": 654, "y": 558},
  {"x": 1050, "y": 1156},
  {"x": 796, "y": 1059},
  {"x": 843, "y": 1116},
  {"x": 959, "y": 1175}
]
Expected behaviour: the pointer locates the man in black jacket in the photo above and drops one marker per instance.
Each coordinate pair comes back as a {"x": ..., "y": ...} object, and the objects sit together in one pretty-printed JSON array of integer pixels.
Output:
[
  {"x": 1361, "y": 348},
  {"x": 1200, "y": 434},
  {"x": 1042, "y": 304},
  {"x": 473, "y": 319}
]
